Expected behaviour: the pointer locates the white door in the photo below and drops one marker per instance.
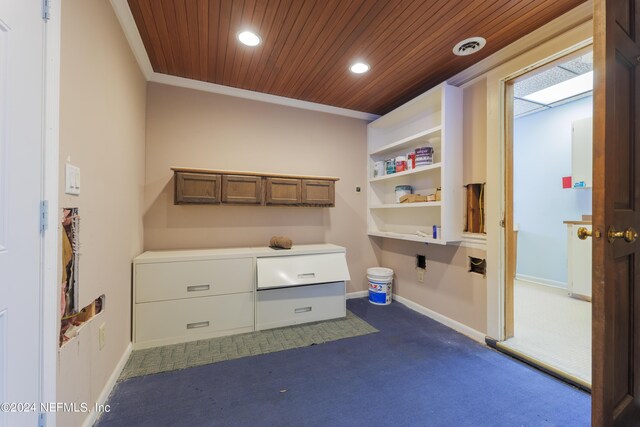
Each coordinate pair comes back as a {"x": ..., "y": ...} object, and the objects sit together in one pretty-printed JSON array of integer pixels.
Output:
[{"x": 21, "y": 136}]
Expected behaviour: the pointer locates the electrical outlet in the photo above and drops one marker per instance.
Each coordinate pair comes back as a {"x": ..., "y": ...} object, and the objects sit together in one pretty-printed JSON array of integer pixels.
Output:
[
  {"x": 420, "y": 273},
  {"x": 101, "y": 335}
]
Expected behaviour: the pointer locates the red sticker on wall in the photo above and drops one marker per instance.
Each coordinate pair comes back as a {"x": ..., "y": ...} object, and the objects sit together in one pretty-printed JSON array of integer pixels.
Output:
[{"x": 566, "y": 182}]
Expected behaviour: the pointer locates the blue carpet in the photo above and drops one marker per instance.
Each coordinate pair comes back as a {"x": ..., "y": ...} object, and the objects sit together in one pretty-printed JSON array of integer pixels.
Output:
[{"x": 415, "y": 371}]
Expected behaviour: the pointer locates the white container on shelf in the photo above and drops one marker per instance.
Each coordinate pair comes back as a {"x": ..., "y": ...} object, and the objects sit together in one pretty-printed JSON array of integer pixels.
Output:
[{"x": 402, "y": 190}]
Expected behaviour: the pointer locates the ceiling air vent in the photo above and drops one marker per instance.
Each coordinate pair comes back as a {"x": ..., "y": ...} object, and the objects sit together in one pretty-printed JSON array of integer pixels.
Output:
[{"x": 469, "y": 46}]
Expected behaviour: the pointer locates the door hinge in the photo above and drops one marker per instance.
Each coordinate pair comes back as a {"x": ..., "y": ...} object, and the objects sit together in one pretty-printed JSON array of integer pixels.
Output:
[
  {"x": 44, "y": 216},
  {"x": 42, "y": 420},
  {"x": 45, "y": 10}
]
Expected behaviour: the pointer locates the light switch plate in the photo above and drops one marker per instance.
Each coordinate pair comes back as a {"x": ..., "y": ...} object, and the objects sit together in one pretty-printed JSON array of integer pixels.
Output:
[{"x": 72, "y": 179}]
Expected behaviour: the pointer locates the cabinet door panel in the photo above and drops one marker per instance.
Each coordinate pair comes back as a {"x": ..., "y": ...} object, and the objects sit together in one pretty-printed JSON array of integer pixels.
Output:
[
  {"x": 197, "y": 188},
  {"x": 318, "y": 192},
  {"x": 242, "y": 189},
  {"x": 283, "y": 191}
]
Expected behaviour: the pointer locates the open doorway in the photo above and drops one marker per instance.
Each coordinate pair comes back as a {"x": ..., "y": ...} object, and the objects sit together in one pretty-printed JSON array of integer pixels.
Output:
[{"x": 548, "y": 303}]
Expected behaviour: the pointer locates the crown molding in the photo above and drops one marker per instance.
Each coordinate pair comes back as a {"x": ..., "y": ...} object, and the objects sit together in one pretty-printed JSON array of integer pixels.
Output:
[
  {"x": 128, "y": 24},
  {"x": 257, "y": 96}
]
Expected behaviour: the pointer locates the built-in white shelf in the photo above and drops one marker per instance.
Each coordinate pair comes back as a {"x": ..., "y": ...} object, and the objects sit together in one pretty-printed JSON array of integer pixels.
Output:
[
  {"x": 406, "y": 236},
  {"x": 419, "y": 169},
  {"x": 431, "y": 119},
  {"x": 406, "y": 205},
  {"x": 409, "y": 142}
]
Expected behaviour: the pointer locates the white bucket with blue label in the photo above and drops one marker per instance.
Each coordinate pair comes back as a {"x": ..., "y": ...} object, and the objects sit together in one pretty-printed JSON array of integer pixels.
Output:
[{"x": 380, "y": 283}]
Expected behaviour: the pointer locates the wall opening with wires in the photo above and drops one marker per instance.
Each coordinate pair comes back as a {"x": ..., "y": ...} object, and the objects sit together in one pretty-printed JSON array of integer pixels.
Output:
[{"x": 478, "y": 265}]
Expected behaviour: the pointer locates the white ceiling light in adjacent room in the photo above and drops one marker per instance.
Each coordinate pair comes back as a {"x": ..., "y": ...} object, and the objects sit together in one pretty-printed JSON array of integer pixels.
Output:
[
  {"x": 566, "y": 89},
  {"x": 359, "y": 67},
  {"x": 469, "y": 46},
  {"x": 248, "y": 38}
]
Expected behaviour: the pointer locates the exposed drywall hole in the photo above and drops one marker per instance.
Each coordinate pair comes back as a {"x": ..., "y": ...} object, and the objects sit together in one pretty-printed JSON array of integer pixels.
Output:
[
  {"x": 358, "y": 189},
  {"x": 478, "y": 265},
  {"x": 421, "y": 261},
  {"x": 474, "y": 212},
  {"x": 100, "y": 301},
  {"x": 71, "y": 325}
]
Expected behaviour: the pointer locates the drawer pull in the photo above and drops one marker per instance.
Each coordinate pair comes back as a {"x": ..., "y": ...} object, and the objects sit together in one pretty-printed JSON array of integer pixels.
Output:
[
  {"x": 302, "y": 310},
  {"x": 197, "y": 325},
  {"x": 196, "y": 288},
  {"x": 306, "y": 275}
]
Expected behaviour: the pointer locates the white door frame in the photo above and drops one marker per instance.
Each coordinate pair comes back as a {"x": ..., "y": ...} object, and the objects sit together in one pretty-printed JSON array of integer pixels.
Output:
[
  {"x": 50, "y": 288},
  {"x": 574, "y": 39}
]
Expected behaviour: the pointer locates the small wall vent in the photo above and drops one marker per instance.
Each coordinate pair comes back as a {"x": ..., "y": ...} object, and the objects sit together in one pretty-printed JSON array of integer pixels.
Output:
[{"x": 469, "y": 46}]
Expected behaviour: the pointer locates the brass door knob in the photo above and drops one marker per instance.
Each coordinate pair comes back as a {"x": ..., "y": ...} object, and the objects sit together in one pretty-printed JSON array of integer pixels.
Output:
[
  {"x": 583, "y": 233},
  {"x": 629, "y": 235}
]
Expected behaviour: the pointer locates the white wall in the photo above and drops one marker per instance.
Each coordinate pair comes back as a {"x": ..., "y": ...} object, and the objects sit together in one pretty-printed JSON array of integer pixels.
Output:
[{"x": 542, "y": 156}]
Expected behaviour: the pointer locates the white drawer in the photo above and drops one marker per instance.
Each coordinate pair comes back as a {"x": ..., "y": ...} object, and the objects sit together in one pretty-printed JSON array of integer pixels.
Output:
[
  {"x": 189, "y": 279},
  {"x": 164, "y": 322},
  {"x": 282, "y": 271},
  {"x": 289, "y": 306}
]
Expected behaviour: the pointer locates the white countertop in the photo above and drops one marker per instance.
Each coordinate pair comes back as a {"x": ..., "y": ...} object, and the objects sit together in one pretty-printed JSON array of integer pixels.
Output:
[{"x": 222, "y": 253}]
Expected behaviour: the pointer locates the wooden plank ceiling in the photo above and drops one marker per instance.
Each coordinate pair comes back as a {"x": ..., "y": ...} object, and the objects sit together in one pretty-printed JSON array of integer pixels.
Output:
[{"x": 308, "y": 45}]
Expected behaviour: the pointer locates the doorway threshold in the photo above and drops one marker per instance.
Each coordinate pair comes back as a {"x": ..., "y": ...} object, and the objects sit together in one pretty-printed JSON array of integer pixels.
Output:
[{"x": 504, "y": 347}]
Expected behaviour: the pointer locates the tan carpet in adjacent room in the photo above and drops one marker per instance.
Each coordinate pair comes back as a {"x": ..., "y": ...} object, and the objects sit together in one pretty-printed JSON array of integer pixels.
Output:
[{"x": 552, "y": 328}]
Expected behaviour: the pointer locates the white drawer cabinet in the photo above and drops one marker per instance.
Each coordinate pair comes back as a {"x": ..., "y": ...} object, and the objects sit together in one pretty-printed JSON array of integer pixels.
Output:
[
  {"x": 192, "y": 319},
  {"x": 289, "y": 306},
  {"x": 189, "y": 279},
  {"x": 189, "y": 295},
  {"x": 276, "y": 272}
]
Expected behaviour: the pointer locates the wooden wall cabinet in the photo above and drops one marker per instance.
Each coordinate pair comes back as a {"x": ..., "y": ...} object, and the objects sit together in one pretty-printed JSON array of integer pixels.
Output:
[
  {"x": 197, "y": 188},
  {"x": 282, "y": 191},
  {"x": 318, "y": 192},
  {"x": 242, "y": 189},
  {"x": 203, "y": 186}
]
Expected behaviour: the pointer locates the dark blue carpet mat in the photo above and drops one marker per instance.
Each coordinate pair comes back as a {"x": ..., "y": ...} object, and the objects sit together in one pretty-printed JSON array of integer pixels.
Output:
[{"x": 415, "y": 371}]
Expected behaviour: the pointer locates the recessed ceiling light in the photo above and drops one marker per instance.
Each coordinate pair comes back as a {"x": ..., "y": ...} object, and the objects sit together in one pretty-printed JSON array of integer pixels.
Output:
[
  {"x": 359, "y": 67},
  {"x": 248, "y": 38},
  {"x": 469, "y": 46},
  {"x": 566, "y": 89}
]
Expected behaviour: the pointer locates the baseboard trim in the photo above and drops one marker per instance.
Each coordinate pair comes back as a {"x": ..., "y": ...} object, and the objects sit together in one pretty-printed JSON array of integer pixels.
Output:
[
  {"x": 108, "y": 387},
  {"x": 358, "y": 294},
  {"x": 541, "y": 281},
  {"x": 453, "y": 324}
]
